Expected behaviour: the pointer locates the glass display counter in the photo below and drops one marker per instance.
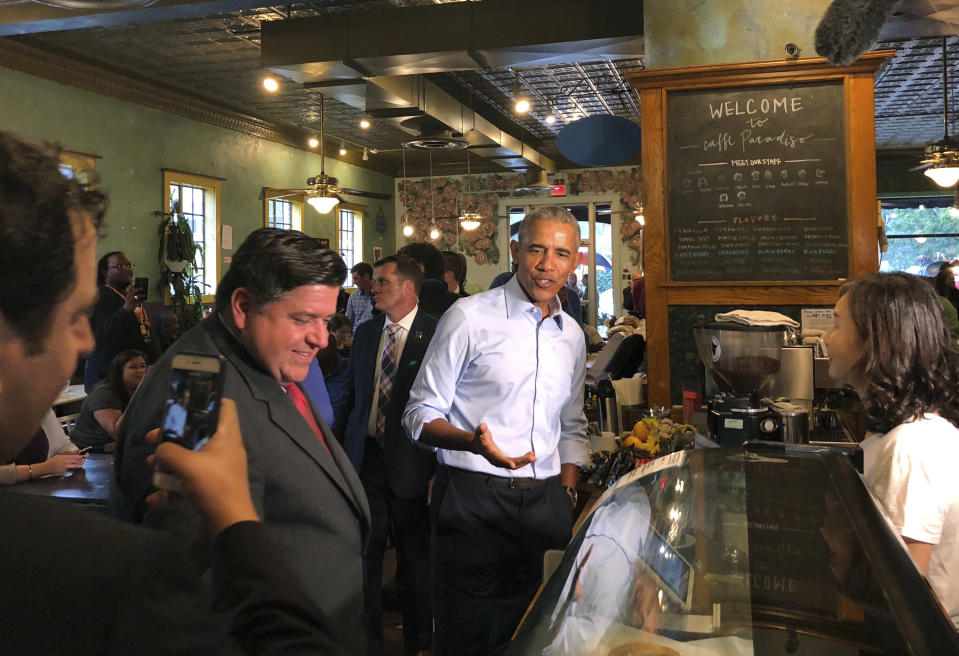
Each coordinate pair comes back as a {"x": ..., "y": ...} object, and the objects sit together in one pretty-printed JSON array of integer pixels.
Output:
[{"x": 720, "y": 551}]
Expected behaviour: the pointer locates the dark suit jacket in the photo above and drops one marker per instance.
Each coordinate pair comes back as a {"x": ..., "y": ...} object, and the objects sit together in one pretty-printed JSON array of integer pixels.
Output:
[
  {"x": 436, "y": 297},
  {"x": 312, "y": 504},
  {"x": 77, "y": 583},
  {"x": 408, "y": 467}
]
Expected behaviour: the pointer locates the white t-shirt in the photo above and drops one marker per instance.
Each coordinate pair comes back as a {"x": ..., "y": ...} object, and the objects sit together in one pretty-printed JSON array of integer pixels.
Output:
[{"x": 913, "y": 471}]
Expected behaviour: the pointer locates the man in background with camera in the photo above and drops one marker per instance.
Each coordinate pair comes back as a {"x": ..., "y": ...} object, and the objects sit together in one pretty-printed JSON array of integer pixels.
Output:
[{"x": 272, "y": 309}]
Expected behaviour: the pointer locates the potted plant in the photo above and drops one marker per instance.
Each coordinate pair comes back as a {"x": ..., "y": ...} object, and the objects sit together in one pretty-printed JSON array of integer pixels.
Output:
[{"x": 177, "y": 255}]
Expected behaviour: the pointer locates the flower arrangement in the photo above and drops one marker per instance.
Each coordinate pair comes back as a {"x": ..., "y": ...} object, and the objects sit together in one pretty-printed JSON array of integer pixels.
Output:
[{"x": 650, "y": 438}]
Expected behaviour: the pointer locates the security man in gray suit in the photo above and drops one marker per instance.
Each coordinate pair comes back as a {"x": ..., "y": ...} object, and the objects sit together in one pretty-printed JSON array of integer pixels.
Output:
[{"x": 270, "y": 320}]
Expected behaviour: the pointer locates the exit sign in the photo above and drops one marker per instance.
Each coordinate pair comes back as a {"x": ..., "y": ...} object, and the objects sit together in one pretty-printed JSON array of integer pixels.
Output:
[{"x": 558, "y": 190}]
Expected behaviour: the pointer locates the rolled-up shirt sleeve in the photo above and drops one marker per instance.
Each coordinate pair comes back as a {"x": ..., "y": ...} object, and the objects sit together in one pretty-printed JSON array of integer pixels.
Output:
[
  {"x": 572, "y": 441},
  {"x": 433, "y": 391}
]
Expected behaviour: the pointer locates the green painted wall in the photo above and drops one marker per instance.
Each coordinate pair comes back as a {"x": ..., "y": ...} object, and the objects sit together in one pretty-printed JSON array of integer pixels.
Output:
[
  {"x": 136, "y": 142},
  {"x": 685, "y": 33}
]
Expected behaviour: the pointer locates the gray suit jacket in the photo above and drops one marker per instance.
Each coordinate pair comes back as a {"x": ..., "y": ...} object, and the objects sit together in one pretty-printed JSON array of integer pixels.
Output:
[{"x": 312, "y": 504}]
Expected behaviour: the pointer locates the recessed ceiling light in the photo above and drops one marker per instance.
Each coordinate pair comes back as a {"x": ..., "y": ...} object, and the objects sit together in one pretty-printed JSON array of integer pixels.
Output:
[
  {"x": 313, "y": 142},
  {"x": 342, "y": 149},
  {"x": 270, "y": 84},
  {"x": 365, "y": 122}
]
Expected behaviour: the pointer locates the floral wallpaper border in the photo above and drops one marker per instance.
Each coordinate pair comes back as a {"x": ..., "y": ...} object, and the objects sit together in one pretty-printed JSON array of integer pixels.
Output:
[{"x": 446, "y": 197}]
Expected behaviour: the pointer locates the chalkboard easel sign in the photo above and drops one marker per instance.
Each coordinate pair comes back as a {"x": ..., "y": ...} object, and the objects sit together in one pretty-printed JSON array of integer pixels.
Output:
[{"x": 757, "y": 183}]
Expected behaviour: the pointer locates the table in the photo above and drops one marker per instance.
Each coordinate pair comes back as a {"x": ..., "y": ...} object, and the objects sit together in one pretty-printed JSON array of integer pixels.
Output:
[
  {"x": 71, "y": 394},
  {"x": 90, "y": 485}
]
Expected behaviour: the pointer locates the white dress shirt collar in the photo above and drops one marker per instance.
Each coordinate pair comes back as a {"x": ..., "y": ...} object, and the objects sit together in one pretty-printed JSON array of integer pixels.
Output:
[
  {"x": 517, "y": 302},
  {"x": 406, "y": 322}
]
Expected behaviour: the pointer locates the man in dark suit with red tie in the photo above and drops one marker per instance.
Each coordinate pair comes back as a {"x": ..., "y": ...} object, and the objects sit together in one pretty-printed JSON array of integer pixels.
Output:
[
  {"x": 386, "y": 355},
  {"x": 270, "y": 321}
]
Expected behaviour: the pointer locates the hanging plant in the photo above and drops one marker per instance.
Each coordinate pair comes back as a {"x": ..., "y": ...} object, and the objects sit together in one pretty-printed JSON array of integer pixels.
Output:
[{"x": 178, "y": 253}]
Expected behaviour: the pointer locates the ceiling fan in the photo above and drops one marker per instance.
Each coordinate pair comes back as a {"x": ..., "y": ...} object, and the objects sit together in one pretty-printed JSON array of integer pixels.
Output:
[
  {"x": 469, "y": 219},
  {"x": 941, "y": 160},
  {"x": 323, "y": 191}
]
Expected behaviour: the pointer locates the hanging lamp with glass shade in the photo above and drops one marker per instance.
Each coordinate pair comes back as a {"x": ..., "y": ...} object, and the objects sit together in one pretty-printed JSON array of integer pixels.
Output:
[
  {"x": 469, "y": 220},
  {"x": 407, "y": 226},
  {"x": 942, "y": 157},
  {"x": 434, "y": 231},
  {"x": 640, "y": 214},
  {"x": 323, "y": 189}
]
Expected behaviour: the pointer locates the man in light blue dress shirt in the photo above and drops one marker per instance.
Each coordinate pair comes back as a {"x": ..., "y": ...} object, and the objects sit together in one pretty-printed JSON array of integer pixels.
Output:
[{"x": 500, "y": 397}]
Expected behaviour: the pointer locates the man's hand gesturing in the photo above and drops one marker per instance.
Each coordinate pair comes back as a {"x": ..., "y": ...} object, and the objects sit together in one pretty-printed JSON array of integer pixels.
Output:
[{"x": 484, "y": 445}]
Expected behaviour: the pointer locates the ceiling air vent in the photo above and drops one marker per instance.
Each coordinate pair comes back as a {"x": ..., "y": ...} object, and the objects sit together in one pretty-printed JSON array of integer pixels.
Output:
[{"x": 433, "y": 135}]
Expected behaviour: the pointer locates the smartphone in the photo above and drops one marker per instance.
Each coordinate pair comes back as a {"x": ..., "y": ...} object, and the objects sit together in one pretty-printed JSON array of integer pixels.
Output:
[
  {"x": 192, "y": 405},
  {"x": 85, "y": 450},
  {"x": 141, "y": 285}
]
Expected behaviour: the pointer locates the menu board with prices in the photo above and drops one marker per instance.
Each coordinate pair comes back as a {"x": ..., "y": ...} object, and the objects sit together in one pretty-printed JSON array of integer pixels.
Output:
[{"x": 757, "y": 183}]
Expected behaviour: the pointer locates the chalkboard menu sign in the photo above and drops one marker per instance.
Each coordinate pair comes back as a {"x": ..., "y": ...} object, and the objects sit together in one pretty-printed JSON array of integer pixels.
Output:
[{"x": 757, "y": 183}]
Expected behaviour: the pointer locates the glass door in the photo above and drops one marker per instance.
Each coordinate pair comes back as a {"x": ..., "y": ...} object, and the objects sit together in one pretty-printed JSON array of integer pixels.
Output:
[{"x": 593, "y": 276}]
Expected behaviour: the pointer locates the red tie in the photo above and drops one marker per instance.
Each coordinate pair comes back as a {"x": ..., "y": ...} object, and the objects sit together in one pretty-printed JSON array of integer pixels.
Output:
[{"x": 299, "y": 400}]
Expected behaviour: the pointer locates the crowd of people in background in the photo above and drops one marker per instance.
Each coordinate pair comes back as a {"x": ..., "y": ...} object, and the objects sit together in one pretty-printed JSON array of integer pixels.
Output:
[{"x": 445, "y": 424}]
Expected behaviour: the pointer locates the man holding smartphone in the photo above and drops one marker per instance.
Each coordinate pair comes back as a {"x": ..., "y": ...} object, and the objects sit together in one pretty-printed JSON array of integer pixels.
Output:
[
  {"x": 122, "y": 590},
  {"x": 270, "y": 321}
]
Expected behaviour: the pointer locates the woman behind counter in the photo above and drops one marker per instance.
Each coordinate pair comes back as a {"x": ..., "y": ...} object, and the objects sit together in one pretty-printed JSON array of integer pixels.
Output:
[
  {"x": 889, "y": 341},
  {"x": 102, "y": 410}
]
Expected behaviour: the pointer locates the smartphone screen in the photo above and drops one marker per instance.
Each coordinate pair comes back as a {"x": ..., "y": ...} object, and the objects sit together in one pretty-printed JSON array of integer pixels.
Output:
[
  {"x": 193, "y": 400},
  {"x": 141, "y": 285}
]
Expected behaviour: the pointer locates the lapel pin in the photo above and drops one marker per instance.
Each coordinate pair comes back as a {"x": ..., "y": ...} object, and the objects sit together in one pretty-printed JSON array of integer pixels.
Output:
[{"x": 419, "y": 334}]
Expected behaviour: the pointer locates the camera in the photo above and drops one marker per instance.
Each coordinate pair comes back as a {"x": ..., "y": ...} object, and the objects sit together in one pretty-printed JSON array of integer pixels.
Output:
[{"x": 792, "y": 50}]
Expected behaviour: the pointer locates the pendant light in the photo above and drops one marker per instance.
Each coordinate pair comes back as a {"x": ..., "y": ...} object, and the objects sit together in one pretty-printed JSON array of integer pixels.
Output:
[
  {"x": 942, "y": 157},
  {"x": 469, "y": 220},
  {"x": 434, "y": 231},
  {"x": 407, "y": 227},
  {"x": 640, "y": 214},
  {"x": 322, "y": 195}
]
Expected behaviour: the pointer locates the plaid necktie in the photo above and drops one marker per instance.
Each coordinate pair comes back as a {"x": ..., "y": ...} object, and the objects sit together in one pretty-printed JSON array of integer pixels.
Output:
[{"x": 387, "y": 371}]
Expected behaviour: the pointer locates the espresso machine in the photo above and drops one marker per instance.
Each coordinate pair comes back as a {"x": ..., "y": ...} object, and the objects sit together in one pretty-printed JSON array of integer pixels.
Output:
[{"x": 743, "y": 363}]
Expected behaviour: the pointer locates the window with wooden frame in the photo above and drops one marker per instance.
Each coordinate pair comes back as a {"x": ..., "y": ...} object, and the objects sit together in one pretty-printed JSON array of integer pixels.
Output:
[
  {"x": 349, "y": 233},
  {"x": 283, "y": 210},
  {"x": 199, "y": 198},
  {"x": 77, "y": 165}
]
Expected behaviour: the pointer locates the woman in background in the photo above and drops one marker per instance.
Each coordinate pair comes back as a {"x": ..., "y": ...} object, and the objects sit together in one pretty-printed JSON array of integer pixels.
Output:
[
  {"x": 49, "y": 453},
  {"x": 342, "y": 328},
  {"x": 890, "y": 343},
  {"x": 103, "y": 409}
]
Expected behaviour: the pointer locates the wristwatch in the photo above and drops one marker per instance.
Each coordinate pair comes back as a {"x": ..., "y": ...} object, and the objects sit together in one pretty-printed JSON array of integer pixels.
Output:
[{"x": 573, "y": 495}]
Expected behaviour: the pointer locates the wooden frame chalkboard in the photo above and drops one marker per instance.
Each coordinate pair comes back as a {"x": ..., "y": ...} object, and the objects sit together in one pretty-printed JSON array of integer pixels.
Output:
[
  {"x": 668, "y": 99},
  {"x": 757, "y": 183}
]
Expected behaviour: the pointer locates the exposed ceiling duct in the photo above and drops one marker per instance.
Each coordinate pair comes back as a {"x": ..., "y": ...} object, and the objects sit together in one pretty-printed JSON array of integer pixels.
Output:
[
  {"x": 458, "y": 36},
  {"x": 376, "y": 60}
]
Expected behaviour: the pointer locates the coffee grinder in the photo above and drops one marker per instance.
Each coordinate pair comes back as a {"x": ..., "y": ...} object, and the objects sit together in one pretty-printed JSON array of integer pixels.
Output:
[{"x": 743, "y": 362}]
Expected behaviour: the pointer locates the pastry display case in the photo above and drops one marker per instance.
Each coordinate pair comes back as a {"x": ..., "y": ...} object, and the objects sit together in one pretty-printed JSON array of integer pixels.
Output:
[{"x": 768, "y": 550}]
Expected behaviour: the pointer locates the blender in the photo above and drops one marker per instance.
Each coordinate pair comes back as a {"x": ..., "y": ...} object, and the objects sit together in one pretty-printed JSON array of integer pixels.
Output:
[{"x": 743, "y": 362}]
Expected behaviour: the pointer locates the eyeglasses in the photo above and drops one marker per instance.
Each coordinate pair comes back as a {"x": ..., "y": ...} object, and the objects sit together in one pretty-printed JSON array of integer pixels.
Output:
[{"x": 122, "y": 267}]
